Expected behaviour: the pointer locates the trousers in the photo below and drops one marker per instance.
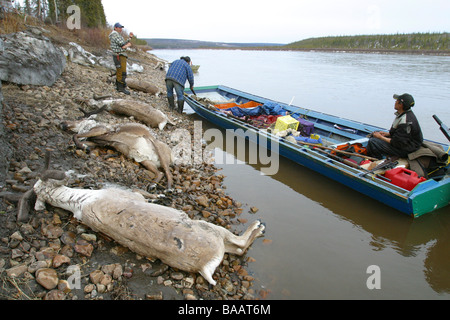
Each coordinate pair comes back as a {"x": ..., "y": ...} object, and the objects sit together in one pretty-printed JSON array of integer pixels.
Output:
[
  {"x": 179, "y": 89},
  {"x": 378, "y": 149},
  {"x": 121, "y": 68}
]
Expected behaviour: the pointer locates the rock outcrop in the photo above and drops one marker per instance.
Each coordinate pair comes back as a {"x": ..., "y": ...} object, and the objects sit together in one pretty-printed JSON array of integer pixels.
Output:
[
  {"x": 30, "y": 59},
  {"x": 77, "y": 54}
]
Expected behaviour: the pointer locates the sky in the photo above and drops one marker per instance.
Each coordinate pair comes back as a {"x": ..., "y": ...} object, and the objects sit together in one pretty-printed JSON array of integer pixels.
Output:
[{"x": 276, "y": 21}]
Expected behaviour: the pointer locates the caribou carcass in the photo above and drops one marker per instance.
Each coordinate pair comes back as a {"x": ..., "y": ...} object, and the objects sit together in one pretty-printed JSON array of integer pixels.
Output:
[
  {"x": 134, "y": 140},
  {"x": 140, "y": 111},
  {"x": 148, "y": 229},
  {"x": 143, "y": 86}
]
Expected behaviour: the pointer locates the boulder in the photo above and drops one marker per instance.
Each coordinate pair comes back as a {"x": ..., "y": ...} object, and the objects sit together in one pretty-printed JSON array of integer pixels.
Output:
[
  {"x": 80, "y": 56},
  {"x": 30, "y": 59},
  {"x": 77, "y": 54}
]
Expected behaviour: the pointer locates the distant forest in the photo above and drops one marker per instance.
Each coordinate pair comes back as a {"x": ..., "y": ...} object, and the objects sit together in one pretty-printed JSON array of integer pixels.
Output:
[
  {"x": 400, "y": 42},
  {"x": 196, "y": 44},
  {"x": 414, "y": 42}
]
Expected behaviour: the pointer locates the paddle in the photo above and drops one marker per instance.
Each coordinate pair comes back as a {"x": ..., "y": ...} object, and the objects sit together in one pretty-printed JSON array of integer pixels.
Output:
[
  {"x": 339, "y": 151},
  {"x": 354, "y": 165}
]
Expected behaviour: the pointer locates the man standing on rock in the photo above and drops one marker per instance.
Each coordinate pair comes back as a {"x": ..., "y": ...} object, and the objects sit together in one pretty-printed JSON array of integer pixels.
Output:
[
  {"x": 179, "y": 71},
  {"x": 119, "y": 46}
]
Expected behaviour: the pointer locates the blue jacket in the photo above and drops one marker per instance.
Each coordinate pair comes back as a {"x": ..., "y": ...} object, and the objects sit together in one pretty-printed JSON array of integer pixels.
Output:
[{"x": 180, "y": 71}]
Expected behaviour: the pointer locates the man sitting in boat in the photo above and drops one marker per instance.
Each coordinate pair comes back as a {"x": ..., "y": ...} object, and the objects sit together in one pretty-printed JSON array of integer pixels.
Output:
[{"x": 405, "y": 135}]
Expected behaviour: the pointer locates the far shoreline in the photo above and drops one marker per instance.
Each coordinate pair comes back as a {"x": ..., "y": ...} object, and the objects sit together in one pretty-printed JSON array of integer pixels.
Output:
[{"x": 332, "y": 50}]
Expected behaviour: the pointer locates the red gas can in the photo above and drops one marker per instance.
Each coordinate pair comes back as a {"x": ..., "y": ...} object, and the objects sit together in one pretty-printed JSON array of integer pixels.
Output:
[{"x": 404, "y": 178}]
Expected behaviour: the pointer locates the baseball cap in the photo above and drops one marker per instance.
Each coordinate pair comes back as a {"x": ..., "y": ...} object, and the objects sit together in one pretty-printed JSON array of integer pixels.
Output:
[
  {"x": 406, "y": 99},
  {"x": 118, "y": 25},
  {"x": 187, "y": 59}
]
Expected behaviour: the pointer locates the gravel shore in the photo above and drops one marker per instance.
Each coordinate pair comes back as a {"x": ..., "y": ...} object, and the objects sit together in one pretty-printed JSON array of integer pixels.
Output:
[{"x": 41, "y": 258}]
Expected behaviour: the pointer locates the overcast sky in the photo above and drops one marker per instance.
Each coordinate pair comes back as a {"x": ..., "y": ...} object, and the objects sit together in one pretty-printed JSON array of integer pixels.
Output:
[{"x": 276, "y": 21}]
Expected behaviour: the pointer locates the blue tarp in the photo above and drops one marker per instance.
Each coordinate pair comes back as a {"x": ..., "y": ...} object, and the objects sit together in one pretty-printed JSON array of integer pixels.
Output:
[
  {"x": 269, "y": 108},
  {"x": 309, "y": 140}
]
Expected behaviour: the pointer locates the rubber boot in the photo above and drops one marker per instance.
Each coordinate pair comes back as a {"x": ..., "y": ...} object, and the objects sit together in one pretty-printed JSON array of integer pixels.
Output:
[
  {"x": 171, "y": 102},
  {"x": 124, "y": 84},
  {"x": 121, "y": 88},
  {"x": 180, "y": 106}
]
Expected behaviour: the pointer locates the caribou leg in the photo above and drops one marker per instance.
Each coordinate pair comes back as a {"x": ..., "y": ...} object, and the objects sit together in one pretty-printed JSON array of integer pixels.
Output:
[
  {"x": 152, "y": 168},
  {"x": 239, "y": 244},
  {"x": 95, "y": 132}
]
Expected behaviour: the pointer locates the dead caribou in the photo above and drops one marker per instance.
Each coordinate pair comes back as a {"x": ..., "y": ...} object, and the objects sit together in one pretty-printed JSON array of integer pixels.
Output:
[
  {"x": 148, "y": 229},
  {"x": 140, "y": 111},
  {"x": 134, "y": 140}
]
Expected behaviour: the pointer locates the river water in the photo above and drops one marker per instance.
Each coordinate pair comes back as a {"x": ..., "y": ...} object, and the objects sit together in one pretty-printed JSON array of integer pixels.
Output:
[{"x": 323, "y": 240}]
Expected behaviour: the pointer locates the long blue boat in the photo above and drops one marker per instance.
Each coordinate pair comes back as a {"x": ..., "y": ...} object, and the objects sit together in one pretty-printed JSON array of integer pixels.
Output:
[{"x": 316, "y": 149}]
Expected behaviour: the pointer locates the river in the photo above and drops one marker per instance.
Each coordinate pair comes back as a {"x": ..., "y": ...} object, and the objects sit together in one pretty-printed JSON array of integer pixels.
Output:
[{"x": 323, "y": 240}]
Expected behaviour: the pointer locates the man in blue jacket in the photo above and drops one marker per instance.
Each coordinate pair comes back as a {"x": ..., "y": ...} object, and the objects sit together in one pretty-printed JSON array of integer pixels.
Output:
[
  {"x": 179, "y": 72},
  {"x": 405, "y": 135}
]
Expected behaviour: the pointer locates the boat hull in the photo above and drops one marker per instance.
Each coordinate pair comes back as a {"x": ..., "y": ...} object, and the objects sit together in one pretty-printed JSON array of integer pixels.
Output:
[{"x": 427, "y": 197}]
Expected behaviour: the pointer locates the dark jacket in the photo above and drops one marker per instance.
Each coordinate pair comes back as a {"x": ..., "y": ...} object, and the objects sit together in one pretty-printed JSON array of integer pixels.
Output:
[{"x": 405, "y": 132}]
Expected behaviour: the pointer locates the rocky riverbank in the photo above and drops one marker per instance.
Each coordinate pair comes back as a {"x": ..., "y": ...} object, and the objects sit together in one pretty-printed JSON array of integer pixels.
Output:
[{"x": 54, "y": 257}]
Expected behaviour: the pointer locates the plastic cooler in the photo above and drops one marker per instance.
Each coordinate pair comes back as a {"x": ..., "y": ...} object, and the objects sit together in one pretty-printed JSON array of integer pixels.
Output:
[{"x": 404, "y": 178}]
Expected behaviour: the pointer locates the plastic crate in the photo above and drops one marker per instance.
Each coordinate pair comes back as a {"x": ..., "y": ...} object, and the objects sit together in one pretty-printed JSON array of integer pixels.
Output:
[{"x": 287, "y": 122}]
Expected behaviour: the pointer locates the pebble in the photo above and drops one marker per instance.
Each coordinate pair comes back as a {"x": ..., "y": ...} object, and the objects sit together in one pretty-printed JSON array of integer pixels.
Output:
[
  {"x": 89, "y": 237},
  {"x": 52, "y": 232},
  {"x": 84, "y": 248},
  {"x": 203, "y": 200},
  {"x": 157, "y": 296},
  {"x": 55, "y": 295},
  {"x": 177, "y": 276},
  {"x": 48, "y": 278},
  {"x": 16, "y": 271},
  {"x": 96, "y": 276},
  {"x": 89, "y": 288},
  {"x": 17, "y": 236},
  {"x": 59, "y": 260},
  {"x": 35, "y": 266},
  {"x": 64, "y": 286},
  {"x": 254, "y": 210},
  {"x": 16, "y": 253}
]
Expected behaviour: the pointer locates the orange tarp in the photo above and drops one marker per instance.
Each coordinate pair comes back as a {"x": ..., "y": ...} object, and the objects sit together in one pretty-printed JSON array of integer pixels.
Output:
[{"x": 250, "y": 104}]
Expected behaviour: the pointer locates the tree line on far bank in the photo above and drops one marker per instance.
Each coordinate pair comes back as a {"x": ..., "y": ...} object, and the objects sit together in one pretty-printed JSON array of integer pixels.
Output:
[{"x": 410, "y": 42}]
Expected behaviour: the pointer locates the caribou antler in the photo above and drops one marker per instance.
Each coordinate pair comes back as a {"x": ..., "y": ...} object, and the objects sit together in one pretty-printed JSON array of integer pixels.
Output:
[{"x": 26, "y": 202}]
